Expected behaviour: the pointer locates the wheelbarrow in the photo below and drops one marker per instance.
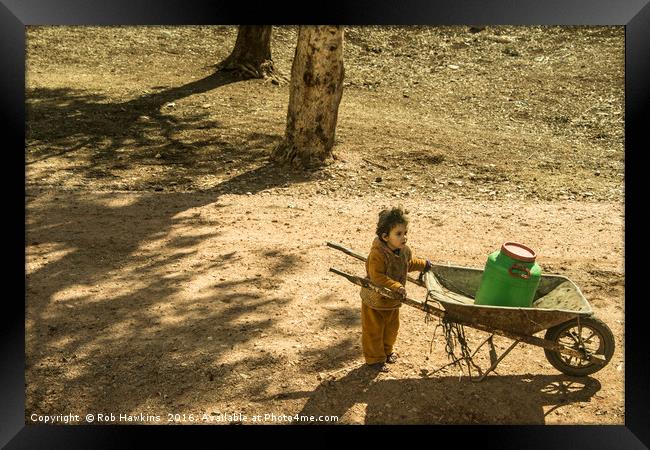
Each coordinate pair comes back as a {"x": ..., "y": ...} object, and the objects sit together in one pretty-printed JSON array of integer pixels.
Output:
[{"x": 576, "y": 343}]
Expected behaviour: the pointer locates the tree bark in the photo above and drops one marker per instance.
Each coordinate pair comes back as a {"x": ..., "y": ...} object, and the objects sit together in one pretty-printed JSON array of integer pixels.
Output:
[
  {"x": 252, "y": 53},
  {"x": 315, "y": 93}
]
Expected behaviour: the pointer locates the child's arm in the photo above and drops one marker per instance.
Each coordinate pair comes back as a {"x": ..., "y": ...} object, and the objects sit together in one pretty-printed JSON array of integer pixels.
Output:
[
  {"x": 377, "y": 272},
  {"x": 419, "y": 264}
]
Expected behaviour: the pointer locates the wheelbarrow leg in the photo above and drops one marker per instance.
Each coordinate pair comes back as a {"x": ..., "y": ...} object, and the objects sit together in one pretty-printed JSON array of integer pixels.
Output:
[
  {"x": 493, "y": 359},
  {"x": 489, "y": 339},
  {"x": 493, "y": 352}
]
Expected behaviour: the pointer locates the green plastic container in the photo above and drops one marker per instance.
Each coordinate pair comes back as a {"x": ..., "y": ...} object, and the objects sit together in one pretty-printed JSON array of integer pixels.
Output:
[{"x": 510, "y": 278}]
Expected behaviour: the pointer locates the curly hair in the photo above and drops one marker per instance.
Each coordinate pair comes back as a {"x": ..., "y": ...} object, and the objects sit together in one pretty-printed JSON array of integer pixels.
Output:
[{"x": 388, "y": 218}]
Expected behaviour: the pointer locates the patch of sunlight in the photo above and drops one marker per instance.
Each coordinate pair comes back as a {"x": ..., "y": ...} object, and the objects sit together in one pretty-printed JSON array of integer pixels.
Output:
[
  {"x": 236, "y": 357},
  {"x": 73, "y": 292},
  {"x": 356, "y": 414},
  {"x": 120, "y": 201},
  {"x": 39, "y": 256},
  {"x": 188, "y": 213},
  {"x": 97, "y": 346},
  {"x": 172, "y": 320},
  {"x": 173, "y": 276},
  {"x": 203, "y": 287},
  {"x": 73, "y": 372},
  {"x": 62, "y": 342}
]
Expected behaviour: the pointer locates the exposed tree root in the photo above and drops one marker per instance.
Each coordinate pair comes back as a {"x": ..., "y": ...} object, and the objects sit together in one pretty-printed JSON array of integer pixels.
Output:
[
  {"x": 285, "y": 153},
  {"x": 247, "y": 70}
]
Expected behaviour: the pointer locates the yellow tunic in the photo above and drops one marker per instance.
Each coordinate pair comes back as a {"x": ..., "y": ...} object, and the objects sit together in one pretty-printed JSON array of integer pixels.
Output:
[
  {"x": 385, "y": 268},
  {"x": 379, "y": 314}
]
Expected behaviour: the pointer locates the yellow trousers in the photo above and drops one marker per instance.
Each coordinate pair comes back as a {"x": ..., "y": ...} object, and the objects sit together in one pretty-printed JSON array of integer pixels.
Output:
[{"x": 378, "y": 333}]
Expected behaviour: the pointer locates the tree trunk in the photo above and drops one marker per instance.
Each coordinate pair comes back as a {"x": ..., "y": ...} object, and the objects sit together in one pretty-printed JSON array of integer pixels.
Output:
[
  {"x": 315, "y": 93},
  {"x": 252, "y": 53}
]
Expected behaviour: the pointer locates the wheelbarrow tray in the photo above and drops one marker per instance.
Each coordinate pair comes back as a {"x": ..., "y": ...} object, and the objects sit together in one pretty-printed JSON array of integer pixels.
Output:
[{"x": 556, "y": 301}]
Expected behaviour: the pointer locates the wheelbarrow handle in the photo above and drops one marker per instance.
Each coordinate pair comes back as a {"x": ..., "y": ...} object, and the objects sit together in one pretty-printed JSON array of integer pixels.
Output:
[
  {"x": 368, "y": 284},
  {"x": 346, "y": 250},
  {"x": 388, "y": 293},
  {"x": 359, "y": 256}
]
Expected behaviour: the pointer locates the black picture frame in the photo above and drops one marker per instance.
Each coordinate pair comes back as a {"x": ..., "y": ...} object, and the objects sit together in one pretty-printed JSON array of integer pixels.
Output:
[{"x": 15, "y": 15}]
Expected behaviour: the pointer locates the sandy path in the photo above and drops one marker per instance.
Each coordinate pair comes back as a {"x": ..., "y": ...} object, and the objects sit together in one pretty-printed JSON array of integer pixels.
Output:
[{"x": 161, "y": 303}]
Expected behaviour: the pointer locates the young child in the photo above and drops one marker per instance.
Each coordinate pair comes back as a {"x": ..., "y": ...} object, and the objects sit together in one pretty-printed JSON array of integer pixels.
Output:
[{"x": 388, "y": 262}]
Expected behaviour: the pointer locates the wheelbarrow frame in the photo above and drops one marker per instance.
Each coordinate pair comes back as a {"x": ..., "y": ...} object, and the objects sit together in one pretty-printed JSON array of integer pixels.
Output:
[{"x": 517, "y": 337}]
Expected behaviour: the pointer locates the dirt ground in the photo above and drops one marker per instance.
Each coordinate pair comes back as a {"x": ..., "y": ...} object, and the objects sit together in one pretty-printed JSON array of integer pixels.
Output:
[{"x": 172, "y": 269}]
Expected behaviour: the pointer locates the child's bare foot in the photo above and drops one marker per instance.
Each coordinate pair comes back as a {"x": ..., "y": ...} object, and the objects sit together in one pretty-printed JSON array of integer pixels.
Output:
[{"x": 392, "y": 358}]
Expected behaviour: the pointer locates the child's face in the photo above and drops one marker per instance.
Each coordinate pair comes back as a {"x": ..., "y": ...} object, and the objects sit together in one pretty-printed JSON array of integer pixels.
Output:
[{"x": 397, "y": 236}]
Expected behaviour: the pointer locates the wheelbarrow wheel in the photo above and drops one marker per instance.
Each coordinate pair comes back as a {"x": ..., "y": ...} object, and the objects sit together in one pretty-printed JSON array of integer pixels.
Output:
[{"x": 590, "y": 334}]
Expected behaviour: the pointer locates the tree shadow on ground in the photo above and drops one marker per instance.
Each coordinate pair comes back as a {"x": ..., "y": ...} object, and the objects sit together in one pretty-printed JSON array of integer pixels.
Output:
[
  {"x": 75, "y": 119},
  {"x": 445, "y": 400},
  {"x": 113, "y": 319},
  {"x": 145, "y": 131},
  {"x": 128, "y": 337}
]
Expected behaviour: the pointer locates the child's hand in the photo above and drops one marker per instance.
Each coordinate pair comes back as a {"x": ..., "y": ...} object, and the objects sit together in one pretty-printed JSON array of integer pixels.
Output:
[{"x": 402, "y": 292}]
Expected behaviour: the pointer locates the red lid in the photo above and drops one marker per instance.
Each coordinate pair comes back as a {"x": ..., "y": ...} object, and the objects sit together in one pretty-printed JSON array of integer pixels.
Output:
[{"x": 518, "y": 251}]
